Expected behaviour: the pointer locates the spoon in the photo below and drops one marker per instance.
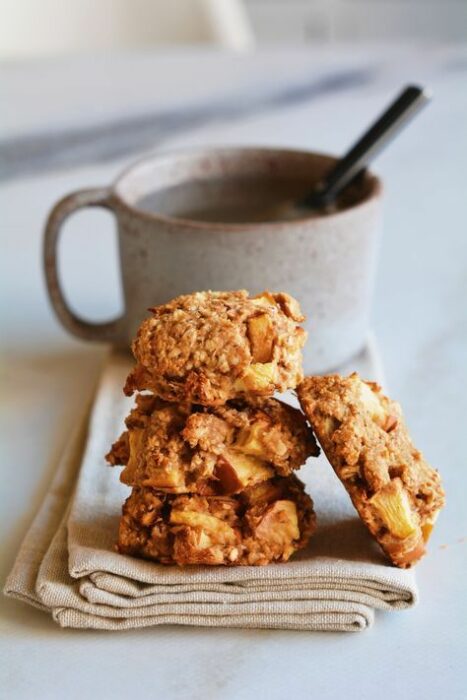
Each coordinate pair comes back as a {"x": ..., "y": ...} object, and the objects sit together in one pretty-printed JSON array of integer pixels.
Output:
[{"x": 364, "y": 151}]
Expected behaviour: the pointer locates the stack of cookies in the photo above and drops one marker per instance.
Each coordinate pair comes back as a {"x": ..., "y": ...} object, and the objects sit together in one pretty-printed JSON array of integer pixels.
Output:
[{"x": 209, "y": 455}]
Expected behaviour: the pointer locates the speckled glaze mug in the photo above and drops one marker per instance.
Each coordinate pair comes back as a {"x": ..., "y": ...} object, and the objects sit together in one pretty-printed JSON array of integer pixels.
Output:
[{"x": 327, "y": 262}]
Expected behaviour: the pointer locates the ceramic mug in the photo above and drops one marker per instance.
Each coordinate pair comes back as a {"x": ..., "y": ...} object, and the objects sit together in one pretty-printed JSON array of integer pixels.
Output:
[{"x": 327, "y": 262}]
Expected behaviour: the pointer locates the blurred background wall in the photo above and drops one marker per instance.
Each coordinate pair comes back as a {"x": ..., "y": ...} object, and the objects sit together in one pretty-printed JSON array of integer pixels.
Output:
[
  {"x": 354, "y": 20},
  {"x": 32, "y": 28}
]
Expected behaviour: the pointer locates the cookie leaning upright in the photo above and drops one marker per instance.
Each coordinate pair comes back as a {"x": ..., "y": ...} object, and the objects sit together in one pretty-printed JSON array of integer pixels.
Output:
[
  {"x": 396, "y": 492},
  {"x": 209, "y": 347}
]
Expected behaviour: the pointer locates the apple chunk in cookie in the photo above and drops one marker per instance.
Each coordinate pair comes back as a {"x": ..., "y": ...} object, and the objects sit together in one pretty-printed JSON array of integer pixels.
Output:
[{"x": 397, "y": 494}]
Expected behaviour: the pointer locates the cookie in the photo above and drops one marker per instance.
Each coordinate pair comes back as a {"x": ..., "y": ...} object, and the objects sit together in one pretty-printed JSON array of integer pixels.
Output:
[
  {"x": 397, "y": 494},
  {"x": 209, "y": 347},
  {"x": 182, "y": 448},
  {"x": 265, "y": 523}
]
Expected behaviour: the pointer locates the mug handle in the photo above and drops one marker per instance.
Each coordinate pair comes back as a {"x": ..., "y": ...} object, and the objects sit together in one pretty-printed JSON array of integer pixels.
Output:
[{"x": 96, "y": 197}]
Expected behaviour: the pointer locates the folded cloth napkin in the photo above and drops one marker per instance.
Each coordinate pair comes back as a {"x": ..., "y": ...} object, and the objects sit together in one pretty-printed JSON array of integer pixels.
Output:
[{"x": 68, "y": 565}]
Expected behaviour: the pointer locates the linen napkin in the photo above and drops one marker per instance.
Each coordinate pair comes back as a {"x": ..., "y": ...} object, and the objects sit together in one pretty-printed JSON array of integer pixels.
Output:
[{"x": 68, "y": 565}]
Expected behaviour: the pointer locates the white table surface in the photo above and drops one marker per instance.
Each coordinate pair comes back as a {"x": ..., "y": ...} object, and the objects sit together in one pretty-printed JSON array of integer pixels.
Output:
[{"x": 54, "y": 139}]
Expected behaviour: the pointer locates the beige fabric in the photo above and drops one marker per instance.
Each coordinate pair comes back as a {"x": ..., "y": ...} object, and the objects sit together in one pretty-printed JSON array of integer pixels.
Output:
[{"x": 67, "y": 563}]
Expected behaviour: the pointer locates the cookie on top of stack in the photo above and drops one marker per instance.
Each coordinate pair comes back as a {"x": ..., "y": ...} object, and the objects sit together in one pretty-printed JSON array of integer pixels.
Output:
[{"x": 208, "y": 453}]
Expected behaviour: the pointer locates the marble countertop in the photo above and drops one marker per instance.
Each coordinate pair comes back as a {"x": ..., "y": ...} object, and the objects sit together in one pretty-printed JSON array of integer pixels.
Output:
[{"x": 74, "y": 123}]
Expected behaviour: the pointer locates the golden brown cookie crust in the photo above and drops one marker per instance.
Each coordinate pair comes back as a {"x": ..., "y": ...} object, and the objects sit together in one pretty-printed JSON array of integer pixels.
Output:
[
  {"x": 209, "y": 347},
  {"x": 181, "y": 448},
  {"x": 266, "y": 523},
  {"x": 396, "y": 492}
]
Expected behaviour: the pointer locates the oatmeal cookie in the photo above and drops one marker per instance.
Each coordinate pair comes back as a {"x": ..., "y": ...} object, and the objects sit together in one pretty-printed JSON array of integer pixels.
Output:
[
  {"x": 396, "y": 492},
  {"x": 181, "y": 448},
  {"x": 209, "y": 347},
  {"x": 265, "y": 523}
]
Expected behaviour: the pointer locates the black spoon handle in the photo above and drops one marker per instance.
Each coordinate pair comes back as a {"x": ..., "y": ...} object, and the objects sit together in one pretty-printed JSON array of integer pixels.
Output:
[{"x": 393, "y": 119}]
